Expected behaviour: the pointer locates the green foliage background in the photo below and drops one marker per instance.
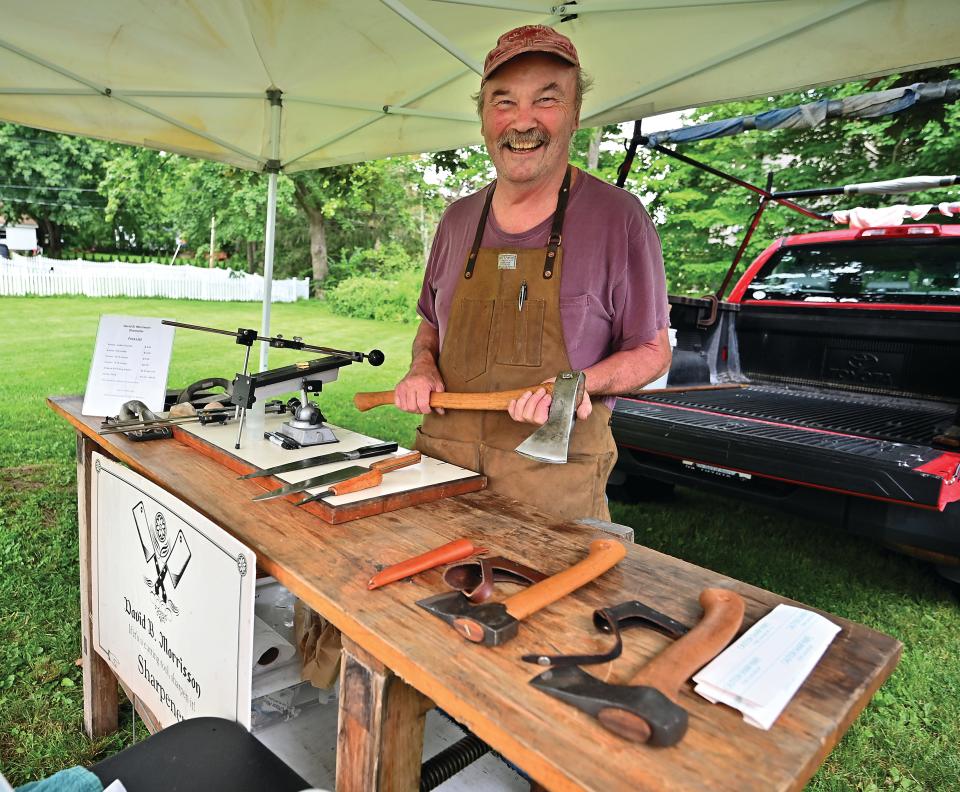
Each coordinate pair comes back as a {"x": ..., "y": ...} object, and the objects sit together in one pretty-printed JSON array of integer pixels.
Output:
[{"x": 376, "y": 219}]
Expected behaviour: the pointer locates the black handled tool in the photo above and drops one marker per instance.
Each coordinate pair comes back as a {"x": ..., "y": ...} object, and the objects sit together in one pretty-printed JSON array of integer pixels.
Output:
[{"x": 326, "y": 459}]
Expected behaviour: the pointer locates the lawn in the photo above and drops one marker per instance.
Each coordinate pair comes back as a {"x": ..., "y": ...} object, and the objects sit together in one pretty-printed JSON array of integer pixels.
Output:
[{"x": 906, "y": 739}]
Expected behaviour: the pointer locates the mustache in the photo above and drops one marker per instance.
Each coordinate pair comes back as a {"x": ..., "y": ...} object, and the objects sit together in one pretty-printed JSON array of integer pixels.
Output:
[{"x": 514, "y": 138}]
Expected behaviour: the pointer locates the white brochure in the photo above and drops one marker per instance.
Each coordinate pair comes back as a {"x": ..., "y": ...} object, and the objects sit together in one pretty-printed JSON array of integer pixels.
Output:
[
  {"x": 130, "y": 361},
  {"x": 764, "y": 668}
]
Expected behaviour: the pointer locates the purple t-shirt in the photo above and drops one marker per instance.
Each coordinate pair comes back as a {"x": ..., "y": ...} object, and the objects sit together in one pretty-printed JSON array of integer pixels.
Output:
[{"x": 613, "y": 293}]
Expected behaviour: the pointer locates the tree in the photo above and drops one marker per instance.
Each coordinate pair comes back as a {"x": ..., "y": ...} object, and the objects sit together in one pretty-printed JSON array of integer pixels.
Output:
[
  {"x": 55, "y": 180},
  {"x": 154, "y": 198},
  {"x": 363, "y": 206},
  {"x": 702, "y": 218}
]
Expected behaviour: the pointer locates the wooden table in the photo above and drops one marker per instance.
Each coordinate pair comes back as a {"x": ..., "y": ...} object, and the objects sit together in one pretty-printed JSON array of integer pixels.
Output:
[{"x": 399, "y": 661}]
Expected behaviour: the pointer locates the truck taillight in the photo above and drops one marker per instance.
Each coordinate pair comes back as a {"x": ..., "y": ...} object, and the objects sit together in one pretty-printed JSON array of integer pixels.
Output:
[{"x": 901, "y": 231}]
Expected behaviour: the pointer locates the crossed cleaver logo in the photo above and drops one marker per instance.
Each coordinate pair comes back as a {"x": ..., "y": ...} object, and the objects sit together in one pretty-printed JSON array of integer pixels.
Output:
[{"x": 169, "y": 559}]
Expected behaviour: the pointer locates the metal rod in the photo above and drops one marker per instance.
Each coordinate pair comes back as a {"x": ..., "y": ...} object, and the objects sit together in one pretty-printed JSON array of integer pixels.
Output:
[
  {"x": 246, "y": 367},
  {"x": 433, "y": 34},
  {"x": 740, "y": 182},
  {"x": 186, "y": 326},
  {"x": 243, "y": 416},
  {"x": 276, "y": 107},
  {"x": 736, "y": 52},
  {"x": 140, "y": 421},
  {"x": 813, "y": 191},
  {"x": 287, "y": 343},
  {"x": 746, "y": 240},
  {"x": 157, "y": 424},
  {"x": 108, "y": 93},
  {"x": 624, "y": 170}
]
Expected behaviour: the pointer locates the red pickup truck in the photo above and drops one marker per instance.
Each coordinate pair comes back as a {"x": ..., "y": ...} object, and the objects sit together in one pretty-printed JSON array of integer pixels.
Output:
[{"x": 847, "y": 347}]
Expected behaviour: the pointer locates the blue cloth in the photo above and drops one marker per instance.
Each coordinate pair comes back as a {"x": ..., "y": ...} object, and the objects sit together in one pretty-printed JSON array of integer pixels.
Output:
[
  {"x": 808, "y": 116},
  {"x": 73, "y": 779}
]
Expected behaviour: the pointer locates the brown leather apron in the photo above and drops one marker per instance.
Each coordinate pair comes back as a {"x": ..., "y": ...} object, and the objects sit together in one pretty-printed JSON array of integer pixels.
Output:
[{"x": 492, "y": 343}]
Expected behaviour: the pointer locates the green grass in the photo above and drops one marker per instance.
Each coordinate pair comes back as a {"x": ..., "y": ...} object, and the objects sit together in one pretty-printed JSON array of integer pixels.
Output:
[{"x": 906, "y": 739}]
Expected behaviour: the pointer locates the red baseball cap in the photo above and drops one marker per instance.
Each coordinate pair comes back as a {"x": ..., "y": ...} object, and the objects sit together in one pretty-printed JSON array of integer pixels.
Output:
[{"x": 529, "y": 38}]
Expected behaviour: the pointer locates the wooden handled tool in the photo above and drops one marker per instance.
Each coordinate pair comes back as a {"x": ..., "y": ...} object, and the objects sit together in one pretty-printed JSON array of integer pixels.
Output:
[
  {"x": 371, "y": 478},
  {"x": 722, "y": 616},
  {"x": 604, "y": 554},
  {"x": 499, "y": 400},
  {"x": 646, "y": 710},
  {"x": 494, "y": 623},
  {"x": 496, "y": 400},
  {"x": 456, "y": 550},
  {"x": 383, "y": 466}
]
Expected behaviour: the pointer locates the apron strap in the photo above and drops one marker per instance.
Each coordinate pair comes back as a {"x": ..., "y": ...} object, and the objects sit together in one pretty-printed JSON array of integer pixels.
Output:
[
  {"x": 472, "y": 258},
  {"x": 553, "y": 244}
]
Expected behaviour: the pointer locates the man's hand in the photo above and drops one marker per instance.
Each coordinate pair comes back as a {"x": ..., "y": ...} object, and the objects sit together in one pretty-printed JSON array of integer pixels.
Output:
[
  {"x": 534, "y": 406},
  {"x": 412, "y": 393}
]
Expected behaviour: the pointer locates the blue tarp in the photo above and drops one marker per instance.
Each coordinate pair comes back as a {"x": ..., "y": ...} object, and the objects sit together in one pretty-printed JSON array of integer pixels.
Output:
[{"x": 808, "y": 116}]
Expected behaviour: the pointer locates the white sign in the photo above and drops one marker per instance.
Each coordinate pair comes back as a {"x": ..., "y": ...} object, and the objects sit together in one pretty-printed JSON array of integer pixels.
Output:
[
  {"x": 19, "y": 237},
  {"x": 130, "y": 361},
  {"x": 172, "y": 600}
]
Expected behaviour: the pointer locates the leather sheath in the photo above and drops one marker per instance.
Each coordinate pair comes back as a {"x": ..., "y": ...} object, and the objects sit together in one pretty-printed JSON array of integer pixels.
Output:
[
  {"x": 452, "y": 551},
  {"x": 476, "y": 578}
]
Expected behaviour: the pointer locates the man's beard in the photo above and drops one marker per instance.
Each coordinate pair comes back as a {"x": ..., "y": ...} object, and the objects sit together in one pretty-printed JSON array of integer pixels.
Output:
[{"x": 523, "y": 141}]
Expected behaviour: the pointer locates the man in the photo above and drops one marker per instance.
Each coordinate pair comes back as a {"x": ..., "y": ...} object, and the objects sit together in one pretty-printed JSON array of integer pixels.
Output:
[{"x": 547, "y": 269}]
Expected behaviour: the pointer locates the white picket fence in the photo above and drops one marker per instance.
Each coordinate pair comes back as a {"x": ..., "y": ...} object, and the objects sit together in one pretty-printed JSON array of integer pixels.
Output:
[{"x": 43, "y": 276}]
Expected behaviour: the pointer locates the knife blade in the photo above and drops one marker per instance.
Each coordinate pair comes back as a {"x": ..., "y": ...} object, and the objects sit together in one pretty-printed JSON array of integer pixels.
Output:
[
  {"x": 326, "y": 459},
  {"x": 383, "y": 466},
  {"x": 372, "y": 478}
]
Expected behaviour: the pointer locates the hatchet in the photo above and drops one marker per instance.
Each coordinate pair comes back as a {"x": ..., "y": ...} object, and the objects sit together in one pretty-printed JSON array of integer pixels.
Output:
[
  {"x": 549, "y": 443},
  {"x": 646, "y": 709},
  {"x": 494, "y": 623}
]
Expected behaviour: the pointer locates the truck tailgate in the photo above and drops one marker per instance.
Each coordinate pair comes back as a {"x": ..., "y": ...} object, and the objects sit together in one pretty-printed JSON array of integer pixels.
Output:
[{"x": 841, "y": 442}]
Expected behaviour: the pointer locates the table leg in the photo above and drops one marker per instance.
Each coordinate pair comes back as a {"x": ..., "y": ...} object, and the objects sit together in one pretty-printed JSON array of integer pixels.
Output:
[
  {"x": 100, "y": 695},
  {"x": 380, "y": 733}
]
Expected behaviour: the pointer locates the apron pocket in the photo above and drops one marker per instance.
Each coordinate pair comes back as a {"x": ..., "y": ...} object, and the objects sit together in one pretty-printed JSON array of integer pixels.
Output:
[
  {"x": 520, "y": 341},
  {"x": 462, "y": 453},
  {"x": 570, "y": 492},
  {"x": 468, "y": 346}
]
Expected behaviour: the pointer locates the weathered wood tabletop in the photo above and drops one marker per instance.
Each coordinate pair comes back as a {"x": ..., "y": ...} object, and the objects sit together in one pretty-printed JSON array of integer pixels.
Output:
[{"x": 487, "y": 689}]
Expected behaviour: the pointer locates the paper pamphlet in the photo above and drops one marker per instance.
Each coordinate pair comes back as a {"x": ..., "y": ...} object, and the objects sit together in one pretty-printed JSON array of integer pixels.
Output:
[
  {"x": 130, "y": 361},
  {"x": 764, "y": 668}
]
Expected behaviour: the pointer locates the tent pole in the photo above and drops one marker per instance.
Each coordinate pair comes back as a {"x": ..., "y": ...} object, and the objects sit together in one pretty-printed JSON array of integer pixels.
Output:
[{"x": 273, "y": 168}]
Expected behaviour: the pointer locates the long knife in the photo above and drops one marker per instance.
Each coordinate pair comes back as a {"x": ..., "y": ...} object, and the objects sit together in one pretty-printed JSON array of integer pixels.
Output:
[
  {"x": 326, "y": 459},
  {"x": 384, "y": 466},
  {"x": 372, "y": 478}
]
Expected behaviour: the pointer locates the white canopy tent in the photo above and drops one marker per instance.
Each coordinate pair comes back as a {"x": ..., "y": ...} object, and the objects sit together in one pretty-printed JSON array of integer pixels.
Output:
[{"x": 297, "y": 84}]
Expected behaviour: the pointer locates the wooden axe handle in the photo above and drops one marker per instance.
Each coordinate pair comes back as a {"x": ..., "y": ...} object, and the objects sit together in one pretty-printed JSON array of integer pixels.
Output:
[
  {"x": 495, "y": 400},
  {"x": 498, "y": 400},
  {"x": 604, "y": 554},
  {"x": 722, "y": 617}
]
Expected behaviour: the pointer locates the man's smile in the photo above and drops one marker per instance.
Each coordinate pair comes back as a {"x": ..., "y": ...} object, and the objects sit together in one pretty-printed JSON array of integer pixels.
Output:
[{"x": 524, "y": 142}]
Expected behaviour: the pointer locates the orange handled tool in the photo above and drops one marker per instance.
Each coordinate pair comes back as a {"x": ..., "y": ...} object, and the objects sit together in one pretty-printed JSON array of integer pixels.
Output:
[
  {"x": 646, "y": 708},
  {"x": 456, "y": 550},
  {"x": 500, "y": 400},
  {"x": 372, "y": 478},
  {"x": 493, "y": 623}
]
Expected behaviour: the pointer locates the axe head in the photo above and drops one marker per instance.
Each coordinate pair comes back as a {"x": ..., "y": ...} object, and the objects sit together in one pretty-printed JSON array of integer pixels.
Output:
[
  {"x": 667, "y": 721},
  {"x": 550, "y": 442},
  {"x": 489, "y": 623}
]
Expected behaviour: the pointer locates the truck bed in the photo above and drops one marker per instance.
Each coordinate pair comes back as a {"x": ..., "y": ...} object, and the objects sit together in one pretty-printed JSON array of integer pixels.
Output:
[{"x": 851, "y": 443}]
